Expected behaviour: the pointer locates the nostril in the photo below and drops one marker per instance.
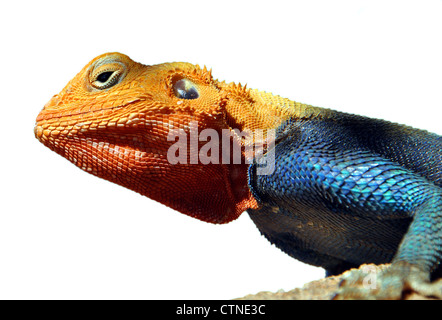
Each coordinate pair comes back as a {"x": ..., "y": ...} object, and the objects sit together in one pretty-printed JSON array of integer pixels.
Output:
[
  {"x": 48, "y": 108},
  {"x": 52, "y": 103}
]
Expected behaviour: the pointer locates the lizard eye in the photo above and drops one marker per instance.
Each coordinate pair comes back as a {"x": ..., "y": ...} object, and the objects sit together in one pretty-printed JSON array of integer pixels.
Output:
[
  {"x": 106, "y": 79},
  {"x": 106, "y": 73},
  {"x": 185, "y": 89},
  {"x": 103, "y": 77}
]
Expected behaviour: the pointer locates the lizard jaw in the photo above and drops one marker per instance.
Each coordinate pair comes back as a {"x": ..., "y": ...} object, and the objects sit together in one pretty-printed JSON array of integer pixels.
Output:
[{"x": 135, "y": 156}]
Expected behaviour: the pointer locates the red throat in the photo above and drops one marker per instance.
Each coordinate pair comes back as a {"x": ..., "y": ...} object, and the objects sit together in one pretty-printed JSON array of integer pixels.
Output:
[{"x": 213, "y": 192}]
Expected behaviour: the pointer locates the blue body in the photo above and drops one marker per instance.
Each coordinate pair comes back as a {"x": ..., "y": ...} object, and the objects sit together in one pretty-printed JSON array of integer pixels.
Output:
[{"x": 351, "y": 190}]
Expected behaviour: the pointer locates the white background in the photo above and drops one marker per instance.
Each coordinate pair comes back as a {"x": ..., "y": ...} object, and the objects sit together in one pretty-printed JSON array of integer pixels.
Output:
[{"x": 66, "y": 234}]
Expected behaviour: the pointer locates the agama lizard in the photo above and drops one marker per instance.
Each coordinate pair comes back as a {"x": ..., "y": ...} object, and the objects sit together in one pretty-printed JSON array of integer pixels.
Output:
[{"x": 344, "y": 190}]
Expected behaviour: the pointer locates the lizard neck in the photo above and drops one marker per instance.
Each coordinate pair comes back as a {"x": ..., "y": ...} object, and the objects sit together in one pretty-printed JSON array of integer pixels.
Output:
[{"x": 250, "y": 109}]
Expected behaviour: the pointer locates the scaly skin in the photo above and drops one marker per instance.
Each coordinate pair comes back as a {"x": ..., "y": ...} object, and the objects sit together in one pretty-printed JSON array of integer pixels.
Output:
[
  {"x": 126, "y": 127},
  {"x": 345, "y": 188}
]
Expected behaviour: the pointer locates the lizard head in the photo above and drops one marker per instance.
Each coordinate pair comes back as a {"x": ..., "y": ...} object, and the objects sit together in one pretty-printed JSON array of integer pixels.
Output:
[{"x": 118, "y": 119}]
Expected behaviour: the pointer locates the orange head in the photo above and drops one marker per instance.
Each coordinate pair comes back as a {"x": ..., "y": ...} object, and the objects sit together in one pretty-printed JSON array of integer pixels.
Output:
[{"x": 113, "y": 120}]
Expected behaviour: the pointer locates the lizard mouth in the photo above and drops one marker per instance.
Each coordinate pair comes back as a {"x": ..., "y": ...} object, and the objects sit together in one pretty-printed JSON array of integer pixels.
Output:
[
  {"x": 111, "y": 149},
  {"x": 52, "y": 123},
  {"x": 55, "y": 115},
  {"x": 51, "y": 110}
]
